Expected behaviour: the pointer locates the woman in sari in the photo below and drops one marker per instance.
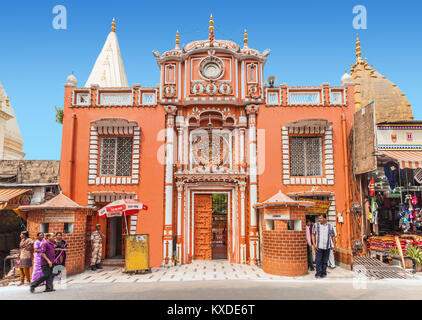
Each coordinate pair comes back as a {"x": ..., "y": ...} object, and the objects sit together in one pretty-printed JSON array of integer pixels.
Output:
[
  {"x": 24, "y": 261},
  {"x": 60, "y": 245},
  {"x": 36, "y": 271}
]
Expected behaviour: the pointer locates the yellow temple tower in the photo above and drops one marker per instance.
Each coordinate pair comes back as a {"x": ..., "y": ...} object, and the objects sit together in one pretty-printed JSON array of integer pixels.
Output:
[{"x": 390, "y": 102}]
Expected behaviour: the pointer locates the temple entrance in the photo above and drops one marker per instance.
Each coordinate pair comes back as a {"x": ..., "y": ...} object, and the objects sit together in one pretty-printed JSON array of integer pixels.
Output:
[
  {"x": 114, "y": 237},
  {"x": 219, "y": 225},
  {"x": 211, "y": 226}
]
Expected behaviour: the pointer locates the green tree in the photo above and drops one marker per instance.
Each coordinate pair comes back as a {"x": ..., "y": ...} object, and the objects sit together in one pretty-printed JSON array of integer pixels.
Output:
[{"x": 59, "y": 114}]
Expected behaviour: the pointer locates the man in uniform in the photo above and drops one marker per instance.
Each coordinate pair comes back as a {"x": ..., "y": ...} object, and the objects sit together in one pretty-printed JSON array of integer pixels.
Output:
[{"x": 97, "y": 248}]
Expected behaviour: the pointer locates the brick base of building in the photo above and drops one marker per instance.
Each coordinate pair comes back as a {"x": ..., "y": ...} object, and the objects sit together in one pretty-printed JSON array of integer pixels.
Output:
[
  {"x": 77, "y": 240},
  {"x": 283, "y": 253}
]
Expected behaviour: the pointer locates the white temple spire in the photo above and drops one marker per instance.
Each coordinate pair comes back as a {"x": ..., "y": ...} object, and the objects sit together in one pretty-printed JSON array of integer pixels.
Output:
[
  {"x": 11, "y": 141},
  {"x": 108, "y": 70}
]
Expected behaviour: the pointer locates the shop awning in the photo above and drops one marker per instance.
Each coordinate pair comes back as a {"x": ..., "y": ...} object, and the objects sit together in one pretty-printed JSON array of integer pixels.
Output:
[
  {"x": 407, "y": 158},
  {"x": 7, "y": 194}
]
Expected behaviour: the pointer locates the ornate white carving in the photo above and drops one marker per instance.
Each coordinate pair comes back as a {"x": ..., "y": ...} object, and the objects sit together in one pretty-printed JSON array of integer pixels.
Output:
[
  {"x": 211, "y": 88},
  {"x": 169, "y": 91},
  {"x": 197, "y": 88},
  {"x": 116, "y": 99},
  {"x": 305, "y": 98},
  {"x": 225, "y": 88},
  {"x": 211, "y": 68}
]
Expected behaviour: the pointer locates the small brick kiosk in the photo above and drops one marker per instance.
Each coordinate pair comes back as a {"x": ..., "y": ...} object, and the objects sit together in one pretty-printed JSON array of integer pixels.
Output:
[
  {"x": 64, "y": 215},
  {"x": 283, "y": 246}
]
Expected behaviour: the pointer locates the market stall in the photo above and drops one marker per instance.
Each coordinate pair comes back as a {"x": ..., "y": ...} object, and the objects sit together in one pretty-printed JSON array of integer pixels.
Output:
[{"x": 394, "y": 196}]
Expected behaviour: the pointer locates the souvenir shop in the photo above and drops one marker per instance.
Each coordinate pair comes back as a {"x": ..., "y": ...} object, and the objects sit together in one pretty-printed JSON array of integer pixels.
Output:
[{"x": 394, "y": 202}]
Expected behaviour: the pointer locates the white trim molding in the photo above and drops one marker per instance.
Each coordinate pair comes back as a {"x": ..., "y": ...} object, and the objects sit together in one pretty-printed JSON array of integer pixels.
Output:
[
  {"x": 120, "y": 128},
  {"x": 328, "y": 155}
]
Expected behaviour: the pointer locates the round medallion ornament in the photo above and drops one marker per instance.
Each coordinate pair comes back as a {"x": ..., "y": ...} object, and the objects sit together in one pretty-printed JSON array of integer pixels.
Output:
[
  {"x": 197, "y": 88},
  {"x": 254, "y": 91},
  {"x": 225, "y": 88},
  {"x": 211, "y": 88},
  {"x": 169, "y": 91},
  {"x": 211, "y": 68}
]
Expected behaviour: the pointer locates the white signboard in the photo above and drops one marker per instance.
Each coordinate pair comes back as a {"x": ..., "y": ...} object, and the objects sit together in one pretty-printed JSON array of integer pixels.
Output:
[
  {"x": 399, "y": 137},
  {"x": 277, "y": 217}
]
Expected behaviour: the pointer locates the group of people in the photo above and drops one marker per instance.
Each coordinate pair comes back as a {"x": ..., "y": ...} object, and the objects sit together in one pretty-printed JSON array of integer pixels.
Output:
[
  {"x": 43, "y": 254},
  {"x": 321, "y": 237}
]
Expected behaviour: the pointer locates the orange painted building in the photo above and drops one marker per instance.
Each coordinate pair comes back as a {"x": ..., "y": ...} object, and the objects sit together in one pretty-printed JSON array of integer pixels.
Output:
[{"x": 202, "y": 149}]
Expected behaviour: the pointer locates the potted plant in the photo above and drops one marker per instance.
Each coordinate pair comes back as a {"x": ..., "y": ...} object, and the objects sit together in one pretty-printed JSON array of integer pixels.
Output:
[
  {"x": 415, "y": 253},
  {"x": 394, "y": 254}
]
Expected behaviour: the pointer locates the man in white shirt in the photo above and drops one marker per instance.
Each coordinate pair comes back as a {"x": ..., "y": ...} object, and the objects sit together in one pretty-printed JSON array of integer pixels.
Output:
[{"x": 324, "y": 239}]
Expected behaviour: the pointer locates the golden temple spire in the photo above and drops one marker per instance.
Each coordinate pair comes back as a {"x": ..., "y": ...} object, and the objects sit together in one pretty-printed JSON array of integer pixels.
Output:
[
  {"x": 211, "y": 29},
  {"x": 177, "y": 40},
  {"x": 113, "y": 25},
  {"x": 358, "y": 52},
  {"x": 245, "y": 39}
]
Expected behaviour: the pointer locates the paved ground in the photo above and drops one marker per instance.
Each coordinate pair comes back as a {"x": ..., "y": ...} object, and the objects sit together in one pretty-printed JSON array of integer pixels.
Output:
[
  {"x": 219, "y": 280},
  {"x": 196, "y": 271}
]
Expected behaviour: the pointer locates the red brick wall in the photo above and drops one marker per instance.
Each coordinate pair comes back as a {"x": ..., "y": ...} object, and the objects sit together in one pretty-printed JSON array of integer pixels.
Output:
[
  {"x": 75, "y": 254},
  {"x": 284, "y": 251}
]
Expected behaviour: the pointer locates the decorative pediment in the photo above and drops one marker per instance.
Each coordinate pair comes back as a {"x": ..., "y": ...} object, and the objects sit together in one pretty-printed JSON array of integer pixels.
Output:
[{"x": 113, "y": 122}]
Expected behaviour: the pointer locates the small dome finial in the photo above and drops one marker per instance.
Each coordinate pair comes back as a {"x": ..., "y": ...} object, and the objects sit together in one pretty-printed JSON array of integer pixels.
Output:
[
  {"x": 113, "y": 25},
  {"x": 211, "y": 29},
  {"x": 245, "y": 39},
  {"x": 71, "y": 80},
  {"x": 177, "y": 40}
]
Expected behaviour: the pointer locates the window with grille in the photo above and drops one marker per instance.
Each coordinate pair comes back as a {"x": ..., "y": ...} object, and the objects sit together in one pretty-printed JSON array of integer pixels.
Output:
[
  {"x": 116, "y": 156},
  {"x": 306, "y": 156}
]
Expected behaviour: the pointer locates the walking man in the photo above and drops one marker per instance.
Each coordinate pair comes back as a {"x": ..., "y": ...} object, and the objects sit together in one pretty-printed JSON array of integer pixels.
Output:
[
  {"x": 309, "y": 242},
  {"x": 322, "y": 235},
  {"x": 47, "y": 251},
  {"x": 97, "y": 248}
]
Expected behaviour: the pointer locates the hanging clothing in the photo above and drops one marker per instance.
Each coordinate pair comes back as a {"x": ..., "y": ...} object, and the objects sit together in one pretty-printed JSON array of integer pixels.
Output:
[
  {"x": 374, "y": 210},
  {"x": 372, "y": 187},
  {"x": 392, "y": 172}
]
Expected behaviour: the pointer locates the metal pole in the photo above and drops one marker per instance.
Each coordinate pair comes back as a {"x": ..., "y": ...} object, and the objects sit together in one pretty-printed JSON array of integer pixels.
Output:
[{"x": 124, "y": 217}]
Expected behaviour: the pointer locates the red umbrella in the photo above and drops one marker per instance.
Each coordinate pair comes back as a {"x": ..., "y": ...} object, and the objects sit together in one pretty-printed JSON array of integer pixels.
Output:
[{"x": 122, "y": 207}]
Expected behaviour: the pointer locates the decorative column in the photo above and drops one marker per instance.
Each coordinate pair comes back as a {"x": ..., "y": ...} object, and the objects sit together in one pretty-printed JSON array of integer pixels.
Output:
[
  {"x": 251, "y": 111},
  {"x": 168, "y": 223},
  {"x": 179, "y": 149},
  {"x": 179, "y": 249},
  {"x": 180, "y": 127},
  {"x": 242, "y": 189},
  {"x": 242, "y": 149}
]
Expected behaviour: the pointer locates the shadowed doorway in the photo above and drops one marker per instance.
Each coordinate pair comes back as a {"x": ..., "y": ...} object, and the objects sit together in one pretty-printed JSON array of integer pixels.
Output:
[{"x": 219, "y": 225}]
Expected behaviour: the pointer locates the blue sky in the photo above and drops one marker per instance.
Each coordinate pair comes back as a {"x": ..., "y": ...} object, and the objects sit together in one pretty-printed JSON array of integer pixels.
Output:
[{"x": 311, "y": 42}]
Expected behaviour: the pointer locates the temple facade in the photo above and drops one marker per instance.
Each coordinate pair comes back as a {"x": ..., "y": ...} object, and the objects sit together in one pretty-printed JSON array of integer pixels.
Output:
[{"x": 203, "y": 149}]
